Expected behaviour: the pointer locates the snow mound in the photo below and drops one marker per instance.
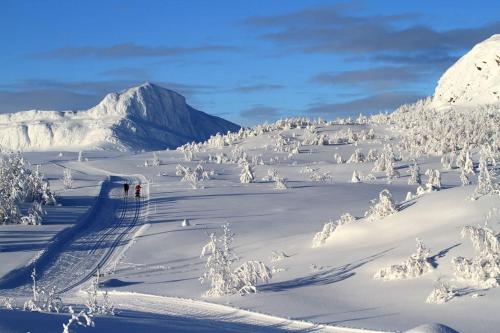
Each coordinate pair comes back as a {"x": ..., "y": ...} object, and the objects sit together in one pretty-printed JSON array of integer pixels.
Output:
[
  {"x": 147, "y": 117},
  {"x": 474, "y": 79},
  {"x": 432, "y": 328}
]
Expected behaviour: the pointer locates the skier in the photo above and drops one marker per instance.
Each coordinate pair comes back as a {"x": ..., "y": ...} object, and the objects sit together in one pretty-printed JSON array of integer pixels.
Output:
[
  {"x": 138, "y": 191},
  {"x": 125, "y": 188}
]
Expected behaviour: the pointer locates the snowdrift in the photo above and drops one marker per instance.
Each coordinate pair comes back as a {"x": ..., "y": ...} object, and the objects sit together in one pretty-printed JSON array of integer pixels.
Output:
[{"x": 146, "y": 117}]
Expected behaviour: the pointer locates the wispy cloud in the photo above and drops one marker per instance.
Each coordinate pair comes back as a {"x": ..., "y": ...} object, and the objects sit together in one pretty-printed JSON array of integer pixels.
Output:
[
  {"x": 127, "y": 72},
  {"x": 374, "y": 103},
  {"x": 260, "y": 113},
  {"x": 385, "y": 77},
  {"x": 335, "y": 29},
  {"x": 258, "y": 88},
  {"x": 130, "y": 50}
]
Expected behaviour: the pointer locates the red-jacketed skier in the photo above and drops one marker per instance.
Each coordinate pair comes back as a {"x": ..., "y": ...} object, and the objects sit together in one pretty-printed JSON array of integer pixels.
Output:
[{"x": 138, "y": 191}]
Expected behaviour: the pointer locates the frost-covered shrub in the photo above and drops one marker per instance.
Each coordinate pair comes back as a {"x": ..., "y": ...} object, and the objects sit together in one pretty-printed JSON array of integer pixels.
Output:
[
  {"x": 94, "y": 306},
  {"x": 338, "y": 158},
  {"x": 385, "y": 159},
  {"x": 383, "y": 208},
  {"x": 329, "y": 228},
  {"x": 223, "y": 279},
  {"x": 8, "y": 303},
  {"x": 42, "y": 300},
  {"x": 486, "y": 183},
  {"x": 193, "y": 177},
  {"x": 433, "y": 179},
  {"x": 356, "y": 157},
  {"x": 416, "y": 265},
  {"x": 372, "y": 155},
  {"x": 280, "y": 183},
  {"x": 442, "y": 293},
  {"x": 82, "y": 319},
  {"x": 156, "y": 159},
  {"x": 356, "y": 177},
  {"x": 414, "y": 172},
  {"x": 278, "y": 256},
  {"x": 272, "y": 174},
  {"x": 483, "y": 270},
  {"x": 67, "y": 179},
  {"x": 246, "y": 173},
  {"x": 18, "y": 184}
]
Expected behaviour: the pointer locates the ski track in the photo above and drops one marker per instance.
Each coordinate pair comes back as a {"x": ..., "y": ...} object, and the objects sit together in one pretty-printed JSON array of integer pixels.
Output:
[
  {"x": 215, "y": 314},
  {"x": 111, "y": 224}
]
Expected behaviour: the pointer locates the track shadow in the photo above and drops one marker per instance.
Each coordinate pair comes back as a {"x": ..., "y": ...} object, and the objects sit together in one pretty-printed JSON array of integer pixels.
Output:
[
  {"x": 325, "y": 277},
  {"x": 433, "y": 260}
]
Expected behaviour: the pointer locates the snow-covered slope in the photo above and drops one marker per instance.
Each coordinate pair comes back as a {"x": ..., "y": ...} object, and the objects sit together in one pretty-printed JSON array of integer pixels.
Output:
[
  {"x": 474, "y": 79},
  {"x": 144, "y": 117}
]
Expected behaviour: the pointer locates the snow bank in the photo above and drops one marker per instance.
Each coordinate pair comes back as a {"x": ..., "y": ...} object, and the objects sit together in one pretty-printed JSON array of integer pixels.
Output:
[{"x": 432, "y": 328}]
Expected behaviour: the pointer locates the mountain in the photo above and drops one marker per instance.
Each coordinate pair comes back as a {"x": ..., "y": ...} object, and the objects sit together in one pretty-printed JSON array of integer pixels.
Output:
[
  {"x": 474, "y": 79},
  {"x": 147, "y": 117}
]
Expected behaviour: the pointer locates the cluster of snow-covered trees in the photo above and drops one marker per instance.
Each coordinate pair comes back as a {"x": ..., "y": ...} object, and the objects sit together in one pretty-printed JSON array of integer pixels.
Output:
[
  {"x": 222, "y": 271},
  {"x": 417, "y": 264},
  {"x": 20, "y": 185}
]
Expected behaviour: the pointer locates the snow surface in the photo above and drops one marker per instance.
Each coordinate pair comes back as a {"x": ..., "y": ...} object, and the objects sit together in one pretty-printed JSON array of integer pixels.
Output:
[
  {"x": 146, "y": 117},
  {"x": 474, "y": 79}
]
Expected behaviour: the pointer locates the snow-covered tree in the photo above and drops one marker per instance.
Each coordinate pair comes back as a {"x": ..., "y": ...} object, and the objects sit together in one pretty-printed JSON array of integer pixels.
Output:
[
  {"x": 486, "y": 183},
  {"x": 67, "y": 179},
  {"x": 356, "y": 157},
  {"x": 280, "y": 183},
  {"x": 483, "y": 270},
  {"x": 338, "y": 158},
  {"x": 356, "y": 178},
  {"x": 329, "y": 228},
  {"x": 82, "y": 319},
  {"x": 383, "y": 208},
  {"x": 433, "y": 179},
  {"x": 442, "y": 293},
  {"x": 223, "y": 279},
  {"x": 414, "y": 172},
  {"x": 42, "y": 300},
  {"x": 156, "y": 159},
  {"x": 416, "y": 265},
  {"x": 80, "y": 156},
  {"x": 246, "y": 174},
  {"x": 94, "y": 306}
]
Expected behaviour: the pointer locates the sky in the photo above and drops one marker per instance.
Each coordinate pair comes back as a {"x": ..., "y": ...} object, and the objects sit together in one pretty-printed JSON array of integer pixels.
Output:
[{"x": 246, "y": 61}]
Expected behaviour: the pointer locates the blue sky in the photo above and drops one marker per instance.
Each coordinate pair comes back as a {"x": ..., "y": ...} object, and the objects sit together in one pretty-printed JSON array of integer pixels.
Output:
[{"x": 247, "y": 61}]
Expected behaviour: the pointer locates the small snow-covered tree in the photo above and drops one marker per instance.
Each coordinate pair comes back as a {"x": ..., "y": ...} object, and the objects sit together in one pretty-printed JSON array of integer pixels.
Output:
[
  {"x": 94, "y": 306},
  {"x": 486, "y": 184},
  {"x": 219, "y": 272},
  {"x": 383, "y": 208},
  {"x": 464, "y": 179},
  {"x": 246, "y": 174},
  {"x": 483, "y": 270},
  {"x": 156, "y": 159},
  {"x": 372, "y": 155},
  {"x": 42, "y": 299},
  {"x": 356, "y": 178},
  {"x": 67, "y": 179},
  {"x": 414, "y": 172},
  {"x": 80, "y": 156},
  {"x": 442, "y": 293},
  {"x": 338, "y": 158},
  {"x": 416, "y": 265},
  {"x": 82, "y": 319},
  {"x": 356, "y": 157},
  {"x": 329, "y": 228},
  {"x": 280, "y": 183},
  {"x": 446, "y": 161},
  {"x": 433, "y": 179},
  {"x": 8, "y": 303}
]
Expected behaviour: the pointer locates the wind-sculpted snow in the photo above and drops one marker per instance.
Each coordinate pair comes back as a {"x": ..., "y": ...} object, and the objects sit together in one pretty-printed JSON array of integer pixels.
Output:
[{"x": 146, "y": 117}]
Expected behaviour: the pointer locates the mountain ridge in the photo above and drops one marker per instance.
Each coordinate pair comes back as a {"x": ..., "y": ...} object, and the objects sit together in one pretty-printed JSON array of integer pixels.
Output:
[{"x": 146, "y": 117}]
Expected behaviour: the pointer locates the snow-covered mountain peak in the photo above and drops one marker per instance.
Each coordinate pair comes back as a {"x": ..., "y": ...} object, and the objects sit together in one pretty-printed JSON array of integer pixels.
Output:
[
  {"x": 474, "y": 79},
  {"x": 143, "y": 117}
]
